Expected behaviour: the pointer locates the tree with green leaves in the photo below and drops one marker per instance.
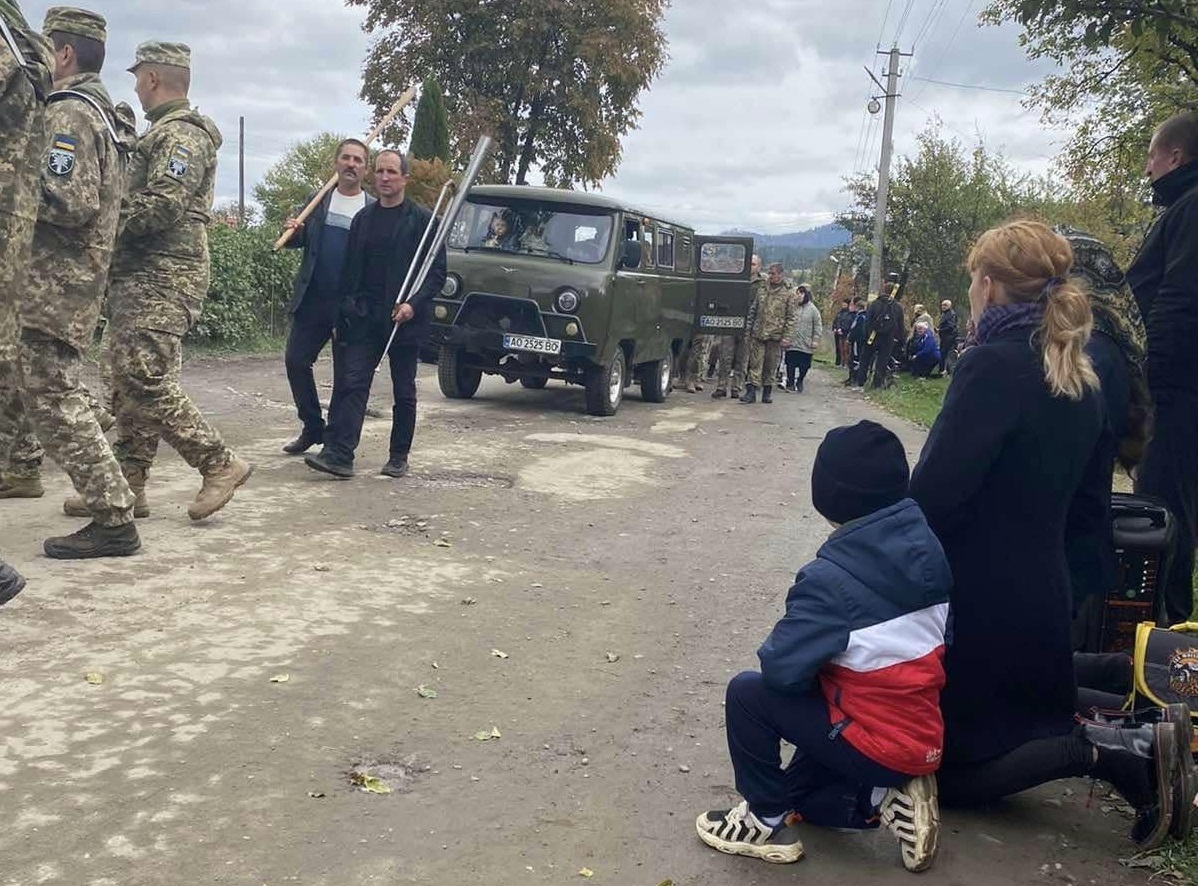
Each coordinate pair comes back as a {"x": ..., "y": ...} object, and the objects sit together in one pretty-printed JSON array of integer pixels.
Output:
[
  {"x": 430, "y": 132},
  {"x": 556, "y": 82},
  {"x": 289, "y": 183}
]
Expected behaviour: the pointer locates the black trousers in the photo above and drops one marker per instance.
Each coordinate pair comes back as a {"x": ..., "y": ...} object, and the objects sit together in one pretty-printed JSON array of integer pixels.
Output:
[
  {"x": 947, "y": 344},
  {"x": 838, "y": 338},
  {"x": 311, "y": 329},
  {"x": 796, "y": 361},
  {"x": 353, "y": 375},
  {"x": 1169, "y": 471},
  {"x": 1035, "y": 763}
]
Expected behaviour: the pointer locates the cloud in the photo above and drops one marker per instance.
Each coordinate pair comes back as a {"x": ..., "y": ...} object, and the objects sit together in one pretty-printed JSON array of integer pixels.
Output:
[{"x": 753, "y": 124}]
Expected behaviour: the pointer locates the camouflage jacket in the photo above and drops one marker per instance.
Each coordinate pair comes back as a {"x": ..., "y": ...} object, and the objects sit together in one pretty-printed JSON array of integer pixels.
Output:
[
  {"x": 160, "y": 268},
  {"x": 17, "y": 104},
  {"x": 82, "y": 182},
  {"x": 774, "y": 313}
]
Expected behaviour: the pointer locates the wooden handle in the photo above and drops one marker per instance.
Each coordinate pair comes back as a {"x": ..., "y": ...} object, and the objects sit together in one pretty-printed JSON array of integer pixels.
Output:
[{"x": 403, "y": 101}]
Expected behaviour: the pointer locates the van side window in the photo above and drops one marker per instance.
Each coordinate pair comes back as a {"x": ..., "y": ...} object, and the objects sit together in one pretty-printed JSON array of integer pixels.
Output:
[
  {"x": 665, "y": 249},
  {"x": 682, "y": 255},
  {"x": 648, "y": 253}
]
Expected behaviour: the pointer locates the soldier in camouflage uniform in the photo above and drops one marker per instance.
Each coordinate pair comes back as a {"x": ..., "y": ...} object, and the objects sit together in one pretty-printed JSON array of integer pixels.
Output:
[
  {"x": 82, "y": 181},
  {"x": 769, "y": 328},
  {"x": 731, "y": 368},
  {"x": 159, "y": 280}
]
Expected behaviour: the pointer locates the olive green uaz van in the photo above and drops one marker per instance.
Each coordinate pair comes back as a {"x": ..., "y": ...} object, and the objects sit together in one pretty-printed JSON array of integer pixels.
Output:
[{"x": 548, "y": 283}]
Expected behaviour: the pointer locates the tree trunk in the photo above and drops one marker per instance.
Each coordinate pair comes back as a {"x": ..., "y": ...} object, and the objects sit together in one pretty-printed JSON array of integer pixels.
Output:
[{"x": 528, "y": 152}]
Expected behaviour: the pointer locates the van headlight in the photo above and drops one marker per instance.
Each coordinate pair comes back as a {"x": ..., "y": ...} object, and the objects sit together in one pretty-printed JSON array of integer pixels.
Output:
[
  {"x": 567, "y": 301},
  {"x": 452, "y": 286}
]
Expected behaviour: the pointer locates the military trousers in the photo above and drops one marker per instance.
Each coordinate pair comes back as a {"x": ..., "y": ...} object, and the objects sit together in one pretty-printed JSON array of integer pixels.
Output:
[
  {"x": 150, "y": 403},
  {"x": 763, "y": 359},
  {"x": 59, "y": 408},
  {"x": 732, "y": 362},
  {"x": 20, "y": 452},
  {"x": 696, "y": 364}
]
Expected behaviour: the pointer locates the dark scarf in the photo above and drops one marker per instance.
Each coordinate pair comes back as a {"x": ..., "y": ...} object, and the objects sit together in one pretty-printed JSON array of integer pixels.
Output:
[{"x": 998, "y": 319}]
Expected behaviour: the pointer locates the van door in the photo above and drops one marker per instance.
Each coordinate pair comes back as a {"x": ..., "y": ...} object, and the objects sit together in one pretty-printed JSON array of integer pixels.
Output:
[{"x": 722, "y": 284}]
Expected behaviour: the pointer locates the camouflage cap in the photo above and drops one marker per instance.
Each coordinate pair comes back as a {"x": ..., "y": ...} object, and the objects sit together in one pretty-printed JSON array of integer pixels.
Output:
[
  {"x": 161, "y": 52},
  {"x": 72, "y": 20}
]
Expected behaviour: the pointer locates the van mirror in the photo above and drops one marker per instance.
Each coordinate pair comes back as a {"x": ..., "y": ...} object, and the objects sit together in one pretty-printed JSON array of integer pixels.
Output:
[{"x": 631, "y": 257}]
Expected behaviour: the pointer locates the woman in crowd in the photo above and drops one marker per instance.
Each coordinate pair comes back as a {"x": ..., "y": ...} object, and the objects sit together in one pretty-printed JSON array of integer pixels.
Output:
[
  {"x": 1013, "y": 444},
  {"x": 810, "y": 328}
]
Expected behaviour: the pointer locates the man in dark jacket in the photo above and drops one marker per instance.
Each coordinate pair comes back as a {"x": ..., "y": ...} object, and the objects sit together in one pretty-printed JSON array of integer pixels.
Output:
[
  {"x": 884, "y": 326},
  {"x": 948, "y": 331},
  {"x": 840, "y": 330},
  {"x": 1164, "y": 279},
  {"x": 383, "y": 243},
  {"x": 316, "y": 295}
]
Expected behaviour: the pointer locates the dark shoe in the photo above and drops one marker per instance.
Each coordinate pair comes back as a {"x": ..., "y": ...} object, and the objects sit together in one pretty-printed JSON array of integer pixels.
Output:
[
  {"x": 22, "y": 487},
  {"x": 395, "y": 468},
  {"x": 1147, "y": 784},
  {"x": 1184, "y": 810},
  {"x": 750, "y": 394},
  {"x": 302, "y": 443},
  {"x": 342, "y": 470},
  {"x": 11, "y": 582},
  {"x": 735, "y": 395},
  {"x": 94, "y": 540},
  {"x": 718, "y": 393},
  {"x": 738, "y": 831},
  {"x": 799, "y": 386},
  {"x": 767, "y": 394}
]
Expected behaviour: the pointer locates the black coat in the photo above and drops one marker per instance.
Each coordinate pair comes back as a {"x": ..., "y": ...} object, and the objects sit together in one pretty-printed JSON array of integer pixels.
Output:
[
  {"x": 308, "y": 238},
  {"x": 996, "y": 478},
  {"x": 366, "y": 316}
]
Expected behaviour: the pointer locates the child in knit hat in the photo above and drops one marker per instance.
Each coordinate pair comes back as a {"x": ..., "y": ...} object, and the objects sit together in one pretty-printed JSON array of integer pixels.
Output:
[{"x": 850, "y": 676}]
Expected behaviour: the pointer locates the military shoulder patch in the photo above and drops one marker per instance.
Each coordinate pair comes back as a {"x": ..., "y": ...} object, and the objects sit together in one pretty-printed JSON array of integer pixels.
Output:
[
  {"x": 61, "y": 159},
  {"x": 176, "y": 165}
]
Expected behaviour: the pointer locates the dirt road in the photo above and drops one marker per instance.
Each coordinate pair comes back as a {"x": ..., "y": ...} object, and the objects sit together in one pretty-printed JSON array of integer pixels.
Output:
[{"x": 577, "y": 591}]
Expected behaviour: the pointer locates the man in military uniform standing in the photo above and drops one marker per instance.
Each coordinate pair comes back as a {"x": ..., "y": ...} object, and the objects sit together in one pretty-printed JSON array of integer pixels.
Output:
[
  {"x": 159, "y": 280},
  {"x": 731, "y": 369},
  {"x": 82, "y": 181},
  {"x": 769, "y": 328}
]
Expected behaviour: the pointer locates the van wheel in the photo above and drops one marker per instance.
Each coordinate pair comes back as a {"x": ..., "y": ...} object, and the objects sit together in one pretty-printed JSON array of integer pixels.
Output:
[
  {"x": 533, "y": 384},
  {"x": 655, "y": 379},
  {"x": 457, "y": 382},
  {"x": 605, "y": 386}
]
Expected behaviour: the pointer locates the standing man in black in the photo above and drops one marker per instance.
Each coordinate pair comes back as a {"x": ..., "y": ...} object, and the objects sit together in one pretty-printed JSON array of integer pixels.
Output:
[
  {"x": 948, "y": 331},
  {"x": 1164, "y": 280},
  {"x": 383, "y": 242},
  {"x": 884, "y": 325},
  {"x": 316, "y": 295}
]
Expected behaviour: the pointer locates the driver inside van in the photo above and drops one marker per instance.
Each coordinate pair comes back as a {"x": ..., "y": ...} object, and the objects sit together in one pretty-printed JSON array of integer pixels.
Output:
[{"x": 499, "y": 233}]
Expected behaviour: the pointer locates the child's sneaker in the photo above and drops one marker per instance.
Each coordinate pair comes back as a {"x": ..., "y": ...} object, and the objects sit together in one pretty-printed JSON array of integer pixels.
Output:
[
  {"x": 738, "y": 831},
  {"x": 912, "y": 813}
]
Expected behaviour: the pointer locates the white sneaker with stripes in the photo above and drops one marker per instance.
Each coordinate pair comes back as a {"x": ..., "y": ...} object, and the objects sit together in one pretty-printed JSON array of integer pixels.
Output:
[
  {"x": 912, "y": 813},
  {"x": 737, "y": 831}
]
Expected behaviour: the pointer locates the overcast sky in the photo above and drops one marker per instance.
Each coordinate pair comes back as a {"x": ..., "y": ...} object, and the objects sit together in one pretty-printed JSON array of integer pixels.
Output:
[{"x": 758, "y": 116}]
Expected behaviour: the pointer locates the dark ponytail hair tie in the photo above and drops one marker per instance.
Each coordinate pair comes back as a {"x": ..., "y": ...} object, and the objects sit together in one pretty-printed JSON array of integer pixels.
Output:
[{"x": 1050, "y": 285}]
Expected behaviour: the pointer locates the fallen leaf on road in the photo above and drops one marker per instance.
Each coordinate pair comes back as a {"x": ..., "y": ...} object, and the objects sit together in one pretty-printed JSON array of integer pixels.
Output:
[
  {"x": 537, "y": 584},
  {"x": 321, "y": 567},
  {"x": 684, "y": 768},
  {"x": 436, "y": 666},
  {"x": 369, "y": 783},
  {"x": 468, "y": 601},
  {"x": 586, "y": 872},
  {"x": 488, "y": 736},
  {"x": 498, "y": 654},
  {"x": 613, "y": 656},
  {"x": 94, "y": 678},
  {"x": 424, "y": 692},
  {"x": 280, "y": 678},
  {"x": 666, "y": 883},
  {"x": 441, "y": 543},
  {"x": 316, "y": 795}
]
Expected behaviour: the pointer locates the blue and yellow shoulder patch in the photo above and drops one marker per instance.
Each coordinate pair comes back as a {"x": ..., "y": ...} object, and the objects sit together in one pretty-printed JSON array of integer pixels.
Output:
[
  {"x": 177, "y": 164},
  {"x": 61, "y": 159}
]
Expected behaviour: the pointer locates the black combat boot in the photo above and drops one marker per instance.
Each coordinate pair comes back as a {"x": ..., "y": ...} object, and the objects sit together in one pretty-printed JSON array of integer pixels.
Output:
[
  {"x": 750, "y": 394},
  {"x": 11, "y": 582},
  {"x": 767, "y": 394},
  {"x": 718, "y": 393},
  {"x": 94, "y": 540},
  {"x": 305, "y": 441}
]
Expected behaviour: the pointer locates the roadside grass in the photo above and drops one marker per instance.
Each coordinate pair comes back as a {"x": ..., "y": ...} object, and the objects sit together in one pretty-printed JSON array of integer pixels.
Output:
[
  {"x": 1172, "y": 863},
  {"x": 259, "y": 345},
  {"x": 915, "y": 399}
]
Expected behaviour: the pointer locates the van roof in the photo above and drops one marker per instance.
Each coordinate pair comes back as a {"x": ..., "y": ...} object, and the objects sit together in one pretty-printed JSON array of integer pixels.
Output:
[{"x": 561, "y": 195}]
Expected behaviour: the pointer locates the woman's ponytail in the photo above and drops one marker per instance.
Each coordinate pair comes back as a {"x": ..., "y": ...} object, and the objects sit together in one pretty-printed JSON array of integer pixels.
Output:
[{"x": 1064, "y": 332}]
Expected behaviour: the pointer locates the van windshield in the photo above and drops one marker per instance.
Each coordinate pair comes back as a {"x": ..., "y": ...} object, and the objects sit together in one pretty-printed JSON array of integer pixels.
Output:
[{"x": 533, "y": 227}]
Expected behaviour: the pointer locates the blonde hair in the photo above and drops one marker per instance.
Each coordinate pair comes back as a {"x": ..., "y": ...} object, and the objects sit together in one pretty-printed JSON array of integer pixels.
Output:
[{"x": 1033, "y": 263}]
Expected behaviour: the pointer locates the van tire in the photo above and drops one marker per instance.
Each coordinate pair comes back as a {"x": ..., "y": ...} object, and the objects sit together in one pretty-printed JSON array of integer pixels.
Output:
[
  {"x": 533, "y": 383},
  {"x": 605, "y": 386},
  {"x": 457, "y": 382},
  {"x": 655, "y": 379}
]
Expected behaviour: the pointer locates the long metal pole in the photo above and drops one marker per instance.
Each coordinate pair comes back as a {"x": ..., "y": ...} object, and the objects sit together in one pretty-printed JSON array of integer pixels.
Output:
[
  {"x": 875, "y": 262},
  {"x": 241, "y": 172}
]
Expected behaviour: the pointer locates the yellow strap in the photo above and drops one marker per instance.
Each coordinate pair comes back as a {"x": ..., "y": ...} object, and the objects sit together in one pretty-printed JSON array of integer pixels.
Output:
[
  {"x": 1186, "y": 627},
  {"x": 1143, "y": 632}
]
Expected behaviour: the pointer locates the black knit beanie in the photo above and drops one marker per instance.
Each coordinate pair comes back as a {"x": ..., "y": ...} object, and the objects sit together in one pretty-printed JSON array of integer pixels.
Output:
[{"x": 858, "y": 469}]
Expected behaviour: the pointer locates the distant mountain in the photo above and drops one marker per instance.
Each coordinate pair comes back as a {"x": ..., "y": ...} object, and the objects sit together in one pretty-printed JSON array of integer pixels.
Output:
[{"x": 826, "y": 236}]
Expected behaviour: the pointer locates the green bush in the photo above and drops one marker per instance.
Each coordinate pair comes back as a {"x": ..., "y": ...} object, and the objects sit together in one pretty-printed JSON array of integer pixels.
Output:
[{"x": 249, "y": 288}]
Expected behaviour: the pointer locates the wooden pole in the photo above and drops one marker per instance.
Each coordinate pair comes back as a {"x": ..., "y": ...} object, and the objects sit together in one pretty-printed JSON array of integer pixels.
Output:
[{"x": 404, "y": 101}]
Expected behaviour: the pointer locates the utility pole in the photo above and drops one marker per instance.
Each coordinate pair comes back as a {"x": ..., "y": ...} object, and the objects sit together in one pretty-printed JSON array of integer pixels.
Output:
[
  {"x": 890, "y": 93},
  {"x": 241, "y": 172}
]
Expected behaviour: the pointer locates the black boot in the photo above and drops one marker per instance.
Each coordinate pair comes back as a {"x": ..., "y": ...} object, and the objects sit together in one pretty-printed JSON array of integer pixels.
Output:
[
  {"x": 327, "y": 464},
  {"x": 396, "y": 466},
  {"x": 750, "y": 394},
  {"x": 1146, "y": 783},
  {"x": 11, "y": 582},
  {"x": 301, "y": 444},
  {"x": 94, "y": 540},
  {"x": 767, "y": 394},
  {"x": 718, "y": 393}
]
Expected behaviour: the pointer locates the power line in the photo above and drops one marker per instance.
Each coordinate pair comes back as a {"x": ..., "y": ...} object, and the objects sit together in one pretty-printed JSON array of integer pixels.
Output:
[
  {"x": 949, "y": 44},
  {"x": 969, "y": 86}
]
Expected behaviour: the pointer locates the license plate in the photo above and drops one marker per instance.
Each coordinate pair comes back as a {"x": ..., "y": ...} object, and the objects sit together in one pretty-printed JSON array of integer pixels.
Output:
[
  {"x": 533, "y": 344},
  {"x": 710, "y": 321}
]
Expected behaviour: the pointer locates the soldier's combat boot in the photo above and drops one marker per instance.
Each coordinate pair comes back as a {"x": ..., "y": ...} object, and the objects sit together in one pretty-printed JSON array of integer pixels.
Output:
[
  {"x": 718, "y": 393},
  {"x": 219, "y": 486},
  {"x": 767, "y": 394},
  {"x": 94, "y": 540},
  {"x": 21, "y": 487},
  {"x": 750, "y": 394},
  {"x": 136, "y": 477},
  {"x": 11, "y": 582}
]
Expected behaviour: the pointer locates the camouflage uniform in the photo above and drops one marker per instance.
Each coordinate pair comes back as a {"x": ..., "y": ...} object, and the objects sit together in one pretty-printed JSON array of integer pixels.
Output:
[
  {"x": 731, "y": 368},
  {"x": 773, "y": 316},
  {"x": 82, "y": 186},
  {"x": 26, "y": 69},
  {"x": 695, "y": 362},
  {"x": 159, "y": 280}
]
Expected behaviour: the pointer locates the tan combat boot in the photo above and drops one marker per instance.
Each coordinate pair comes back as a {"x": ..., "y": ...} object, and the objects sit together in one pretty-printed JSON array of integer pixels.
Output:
[
  {"x": 219, "y": 486},
  {"x": 21, "y": 487},
  {"x": 136, "y": 477}
]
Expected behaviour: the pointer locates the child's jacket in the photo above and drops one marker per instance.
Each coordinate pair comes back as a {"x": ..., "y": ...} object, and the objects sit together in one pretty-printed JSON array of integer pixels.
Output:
[{"x": 868, "y": 618}]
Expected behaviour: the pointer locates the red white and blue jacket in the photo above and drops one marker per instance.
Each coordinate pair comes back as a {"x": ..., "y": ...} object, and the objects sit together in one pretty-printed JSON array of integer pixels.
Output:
[{"x": 866, "y": 621}]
